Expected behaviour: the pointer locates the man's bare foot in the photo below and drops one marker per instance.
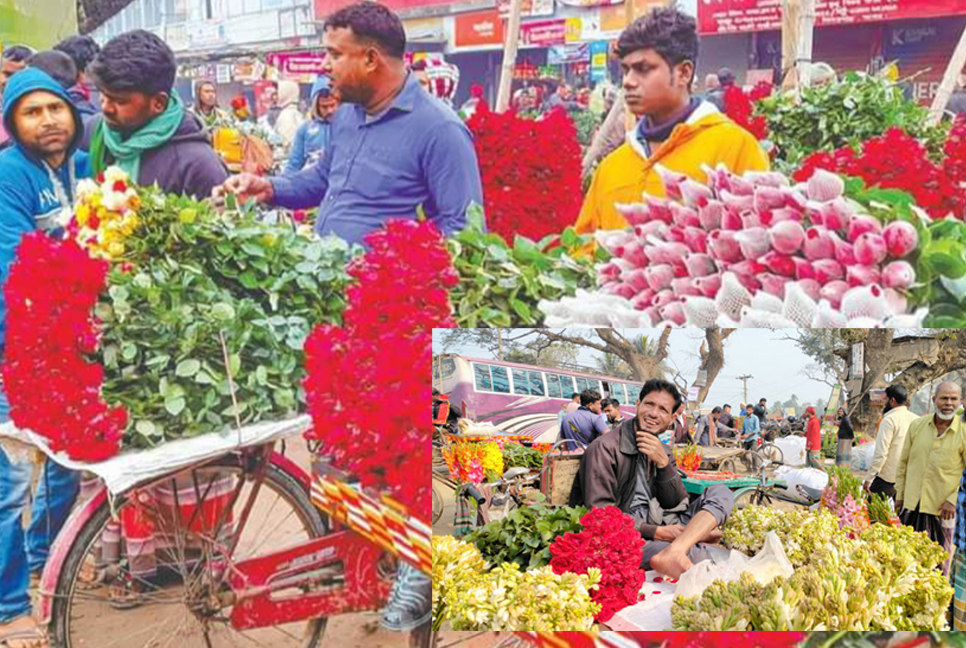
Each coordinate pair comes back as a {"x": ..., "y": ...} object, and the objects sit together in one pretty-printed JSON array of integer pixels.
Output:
[
  {"x": 22, "y": 632},
  {"x": 671, "y": 563},
  {"x": 714, "y": 537}
]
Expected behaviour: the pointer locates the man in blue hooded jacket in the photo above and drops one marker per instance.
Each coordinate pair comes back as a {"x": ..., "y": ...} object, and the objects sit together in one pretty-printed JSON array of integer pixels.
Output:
[
  {"x": 38, "y": 178},
  {"x": 313, "y": 136}
]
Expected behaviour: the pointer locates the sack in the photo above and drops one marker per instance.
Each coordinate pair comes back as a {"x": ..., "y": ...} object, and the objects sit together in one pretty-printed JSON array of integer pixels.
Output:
[
  {"x": 793, "y": 450},
  {"x": 811, "y": 477},
  {"x": 770, "y": 563},
  {"x": 862, "y": 456}
]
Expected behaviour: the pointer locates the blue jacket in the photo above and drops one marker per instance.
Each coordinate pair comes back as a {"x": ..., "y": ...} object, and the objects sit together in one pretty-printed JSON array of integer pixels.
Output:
[
  {"x": 313, "y": 136},
  {"x": 28, "y": 199},
  {"x": 751, "y": 427}
]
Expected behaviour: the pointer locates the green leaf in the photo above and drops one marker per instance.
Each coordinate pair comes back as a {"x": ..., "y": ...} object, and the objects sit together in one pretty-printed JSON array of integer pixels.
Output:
[
  {"x": 522, "y": 310},
  {"x": 174, "y": 406},
  {"x": 188, "y": 368},
  {"x": 223, "y": 311},
  {"x": 145, "y": 428},
  {"x": 129, "y": 351}
]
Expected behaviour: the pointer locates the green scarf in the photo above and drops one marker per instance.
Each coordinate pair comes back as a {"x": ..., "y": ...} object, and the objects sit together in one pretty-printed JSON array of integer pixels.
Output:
[{"x": 127, "y": 152}]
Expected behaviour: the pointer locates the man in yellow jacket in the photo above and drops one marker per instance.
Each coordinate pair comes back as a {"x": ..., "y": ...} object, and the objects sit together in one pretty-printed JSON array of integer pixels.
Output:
[{"x": 658, "y": 54}]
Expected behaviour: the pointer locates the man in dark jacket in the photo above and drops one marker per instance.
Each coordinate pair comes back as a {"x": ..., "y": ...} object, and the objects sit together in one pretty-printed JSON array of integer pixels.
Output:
[
  {"x": 631, "y": 469},
  {"x": 83, "y": 50},
  {"x": 761, "y": 411},
  {"x": 145, "y": 129}
]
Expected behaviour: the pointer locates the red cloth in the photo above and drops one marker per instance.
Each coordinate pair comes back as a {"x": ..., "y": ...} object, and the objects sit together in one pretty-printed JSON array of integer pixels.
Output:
[{"x": 813, "y": 434}]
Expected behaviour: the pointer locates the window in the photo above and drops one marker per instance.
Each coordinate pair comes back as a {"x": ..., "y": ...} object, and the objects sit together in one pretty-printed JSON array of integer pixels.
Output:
[
  {"x": 585, "y": 383},
  {"x": 482, "y": 375},
  {"x": 617, "y": 392},
  {"x": 566, "y": 386},
  {"x": 501, "y": 380},
  {"x": 520, "y": 382},
  {"x": 536, "y": 384},
  {"x": 553, "y": 386},
  {"x": 447, "y": 365},
  {"x": 633, "y": 391}
]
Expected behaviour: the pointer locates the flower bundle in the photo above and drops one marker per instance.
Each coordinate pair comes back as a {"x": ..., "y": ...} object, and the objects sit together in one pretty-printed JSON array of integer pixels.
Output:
[
  {"x": 133, "y": 347},
  {"x": 751, "y": 250},
  {"x": 608, "y": 543},
  {"x": 805, "y": 535},
  {"x": 507, "y": 598},
  {"x": 675, "y": 640},
  {"x": 740, "y": 107},
  {"x": 688, "y": 458},
  {"x": 530, "y": 171},
  {"x": 473, "y": 462},
  {"x": 844, "y": 496},
  {"x": 106, "y": 213},
  {"x": 897, "y": 160},
  {"x": 399, "y": 296}
]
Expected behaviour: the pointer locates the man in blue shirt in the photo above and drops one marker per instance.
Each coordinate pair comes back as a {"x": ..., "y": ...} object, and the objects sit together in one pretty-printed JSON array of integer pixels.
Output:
[
  {"x": 752, "y": 428},
  {"x": 394, "y": 148},
  {"x": 313, "y": 136},
  {"x": 585, "y": 423}
]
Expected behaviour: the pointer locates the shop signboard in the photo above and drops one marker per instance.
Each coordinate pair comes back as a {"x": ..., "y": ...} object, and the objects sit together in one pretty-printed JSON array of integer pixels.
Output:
[
  {"x": 528, "y": 8},
  {"x": 598, "y": 60},
  {"x": 542, "y": 33},
  {"x": 568, "y": 54},
  {"x": 479, "y": 28},
  {"x": 299, "y": 66}
]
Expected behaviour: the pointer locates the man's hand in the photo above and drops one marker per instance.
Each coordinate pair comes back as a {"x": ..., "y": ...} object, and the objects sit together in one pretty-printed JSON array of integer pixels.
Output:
[
  {"x": 668, "y": 533},
  {"x": 947, "y": 511},
  {"x": 898, "y": 506},
  {"x": 651, "y": 447},
  {"x": 245, "y": 186},
  {"x": 866, "y": 485},
  {"x": 671, "y": 562}
]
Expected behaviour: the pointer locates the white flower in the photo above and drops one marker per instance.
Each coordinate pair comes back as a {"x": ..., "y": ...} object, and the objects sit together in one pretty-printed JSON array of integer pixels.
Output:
[
  {"x": 87, "y": 187},
  {"x": 113, "y": 174}
]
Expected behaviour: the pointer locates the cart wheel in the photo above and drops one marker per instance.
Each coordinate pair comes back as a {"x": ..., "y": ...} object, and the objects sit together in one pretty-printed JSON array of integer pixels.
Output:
[
  {"x": 751, "y": 497},
  {"x": 727, "y": 465},
  {"x": 772, "y": 453},
  {"x": 437, "y": 506}
]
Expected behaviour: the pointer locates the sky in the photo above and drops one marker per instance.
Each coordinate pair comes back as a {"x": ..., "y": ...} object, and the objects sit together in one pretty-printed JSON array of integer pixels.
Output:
[{"x": 777, "y": 366}]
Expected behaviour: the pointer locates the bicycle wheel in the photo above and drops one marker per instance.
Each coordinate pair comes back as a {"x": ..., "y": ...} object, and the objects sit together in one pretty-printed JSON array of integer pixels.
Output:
[
  {"x": 727, "y": 465},
  {"x": 772, "y": 453},
  {"x": 178, "y": 603},
  {"x": 751, "y": 496},
  {"x": 437, "y": 506}
]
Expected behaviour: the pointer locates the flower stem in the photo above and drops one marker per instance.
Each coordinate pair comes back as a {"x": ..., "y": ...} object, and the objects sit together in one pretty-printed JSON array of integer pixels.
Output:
[{"x": 828, "y": 643}]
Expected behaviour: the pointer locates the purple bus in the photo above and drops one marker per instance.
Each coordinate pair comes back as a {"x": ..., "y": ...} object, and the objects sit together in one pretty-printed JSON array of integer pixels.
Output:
[{"x": 522, "y": 399}]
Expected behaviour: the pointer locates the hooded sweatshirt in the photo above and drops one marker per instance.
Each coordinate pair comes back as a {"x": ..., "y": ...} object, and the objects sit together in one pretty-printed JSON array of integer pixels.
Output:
[
  {"x": 29, "y": 197},
  {"x": 289, "y": 119},
  {"x": 707, "y": 137},
  {"x": 313, "y": 136},
  {"x": 185, "y": 164}
]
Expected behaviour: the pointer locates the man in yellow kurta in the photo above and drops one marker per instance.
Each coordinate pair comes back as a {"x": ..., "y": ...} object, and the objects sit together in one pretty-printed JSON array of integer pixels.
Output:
[
  {"x": 931, "y": 466},
  {"x": 658, "y": 54}
]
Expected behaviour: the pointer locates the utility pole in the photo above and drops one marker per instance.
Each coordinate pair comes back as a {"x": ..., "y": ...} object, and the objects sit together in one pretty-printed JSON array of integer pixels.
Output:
[
  {"x": 745, "y": 380},
  {"x": 509, "y": 56}
]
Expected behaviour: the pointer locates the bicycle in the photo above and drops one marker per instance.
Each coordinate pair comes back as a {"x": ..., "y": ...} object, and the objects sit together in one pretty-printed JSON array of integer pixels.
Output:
[
  {"x": 265, "y": 554},
  {"x": 752, "y": 459},
  {"x": 765, "y": 494}
]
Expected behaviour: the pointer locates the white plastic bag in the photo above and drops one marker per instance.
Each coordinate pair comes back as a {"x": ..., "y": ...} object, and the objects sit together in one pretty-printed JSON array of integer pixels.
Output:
[
  {"x": 793, "y": 450},
  {"x": 768, "y": 564},
  {"x": 811, "y": 477},
  {"x": 862, "y": 456}
]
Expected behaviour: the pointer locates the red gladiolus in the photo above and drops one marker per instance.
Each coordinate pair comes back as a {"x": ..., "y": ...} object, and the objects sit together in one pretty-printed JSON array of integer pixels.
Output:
[
  {"x": 955, "y": 163},
  {"x": 530, "y": 172},
  {"x": 366, "y": 387},
  {"x": 53, "y": 388},
  {"x": 741, "y": 109},
  {"x": 610, "y": 543}
]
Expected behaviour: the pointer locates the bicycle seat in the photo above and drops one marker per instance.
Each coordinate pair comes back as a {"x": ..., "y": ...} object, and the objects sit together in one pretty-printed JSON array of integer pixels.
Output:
[
  {"x": 812, "y": 494},
  {"x": 513, "y": 473}
]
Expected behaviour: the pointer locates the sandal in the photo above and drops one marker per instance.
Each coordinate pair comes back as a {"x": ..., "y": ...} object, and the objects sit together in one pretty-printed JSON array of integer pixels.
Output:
[
  {"x": 33, "y": 635},
  {"x": 126, "y": 596}
]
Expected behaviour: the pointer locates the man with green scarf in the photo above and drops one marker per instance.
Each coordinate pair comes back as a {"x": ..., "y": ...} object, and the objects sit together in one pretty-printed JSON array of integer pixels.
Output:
[{"x": 145, "y": 129}]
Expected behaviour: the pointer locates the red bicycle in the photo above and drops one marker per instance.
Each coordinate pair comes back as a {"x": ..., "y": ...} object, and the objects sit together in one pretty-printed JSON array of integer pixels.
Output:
[{"x": 263, "y": 555}]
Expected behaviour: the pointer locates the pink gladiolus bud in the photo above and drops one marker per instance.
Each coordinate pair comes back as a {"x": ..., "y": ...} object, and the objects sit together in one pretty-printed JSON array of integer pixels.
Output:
[
  {"x": 620, "y": 288},
  {"x": 672, "y": 181},
  {"x": 780, "y": 264},
  {"x": 773, "y": 284},
  {"x": 695, "y": 194},
  {"x": 754, "y": 242},
  {"x": 750, "y": 283},
  {"x": 747, "y": 267},
  {"x": 663, "y": 297},
  {"x": 768, "y": 198},
  {"x": 859, "y": 224},
  {"x": 637, "y": 279},
  {"x": 833, "y": 291},
  {"x": 787, "y": 237},
  {"x": 660, "y": 209},
  {"x": 696, "y": 239},
  {"x": 837, "y": 214},
  {"x": 710, "y": 215},
  {"x": 738, "y": 203},
  {"x": 750, "y": 219},
  {"x": 844, "y": 252},
  {"x": 659, "y": 276},
  {"x": 657, "y": 229},
  {"x": 818, "y": 244},
  {"x": 684, "y": 286},
  {"x": 901, "y": 238},
  {"x": 683, "y": 216},
  {"x": 731, "y": 219},
  {"x": 643, "y": 299},
  {"x": 810, "y": 287},
  {"x": 680, "y": 270},
  {"x": 898, "y": 274},
  {"x": 862, "y": 275},
  {"x": 708, "y": 286},
  {"x": 674, "y": 234},
  {"x": 827, "y": 270},
  {"x": 724, "y": 247},
  {"x": 699, "y": 265},
  {"x": 795, "y": 199},
  {"x": 825, "y": 186},
  {"x": 673, "y": 312},
  {"x": 870, "y": 249},
  {"x": 741, "y": 187},
  {"x": 785, "y": 214},
  {"x": 804, "y": 269},
  {"x": 652, "y": 312},
  {"x": 766, "y": 179}
]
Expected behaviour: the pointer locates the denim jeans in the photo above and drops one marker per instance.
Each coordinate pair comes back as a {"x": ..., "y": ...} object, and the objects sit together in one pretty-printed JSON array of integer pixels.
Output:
[{"x": 20, "y": 552}]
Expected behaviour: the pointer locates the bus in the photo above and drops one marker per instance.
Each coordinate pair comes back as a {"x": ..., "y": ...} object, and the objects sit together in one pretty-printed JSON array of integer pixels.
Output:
[{"x": 522, "y": 399}]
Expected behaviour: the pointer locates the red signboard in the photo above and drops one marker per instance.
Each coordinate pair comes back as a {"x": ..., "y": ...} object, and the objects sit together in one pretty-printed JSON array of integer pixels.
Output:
[
  {"x": 541, "y": 33},
  {"x": 732, "y": 16},
  {"x": 479, "y": 28},
  {"x": 291, "y": 64}
]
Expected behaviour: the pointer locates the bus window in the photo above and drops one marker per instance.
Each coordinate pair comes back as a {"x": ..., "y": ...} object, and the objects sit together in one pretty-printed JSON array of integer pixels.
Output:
[
  {"x": 633, "y": 391},
  {"x": 536, "y": 384},
  {"x": 520, "y": 382},
  {"x": 617, "y": 392},
  {"x": 501, "y": 381},
  {"x": 566, "y": 386},
  {"x": 448, "y": 366},
  {"x": 482, "y": 374},
  {"x": 553, "y": 386},
  {"x": 582, "y": 383}
]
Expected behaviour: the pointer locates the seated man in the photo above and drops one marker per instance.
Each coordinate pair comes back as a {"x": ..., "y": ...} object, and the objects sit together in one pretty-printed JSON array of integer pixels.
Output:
[{"x": 631, "y": 469}]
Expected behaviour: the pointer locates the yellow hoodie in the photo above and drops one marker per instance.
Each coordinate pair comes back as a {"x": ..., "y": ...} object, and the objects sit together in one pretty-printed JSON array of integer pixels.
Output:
[{"x": 706, "y": 138}]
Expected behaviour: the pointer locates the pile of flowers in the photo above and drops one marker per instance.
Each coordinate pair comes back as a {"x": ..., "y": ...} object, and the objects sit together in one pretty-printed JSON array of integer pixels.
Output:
[
  {"x": 472, "y": 597},
  {"x": 106, "y": 213},
  {"x": 844, "y": 497},
  {"x": 740, "y": 107},
  {"x": 133, "y": 347},
  {"x": 398, "y": 298},
  {"x": 610, "y": 544},
  {"x": 688, "y": 458},
  {"x": 473, "y": 462},
  {"x": 803, "y": 534},
  {"x": 530, "y": 171},
  {"x": 752, "y": 250},
  {"x": 884, "y": 578}
]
